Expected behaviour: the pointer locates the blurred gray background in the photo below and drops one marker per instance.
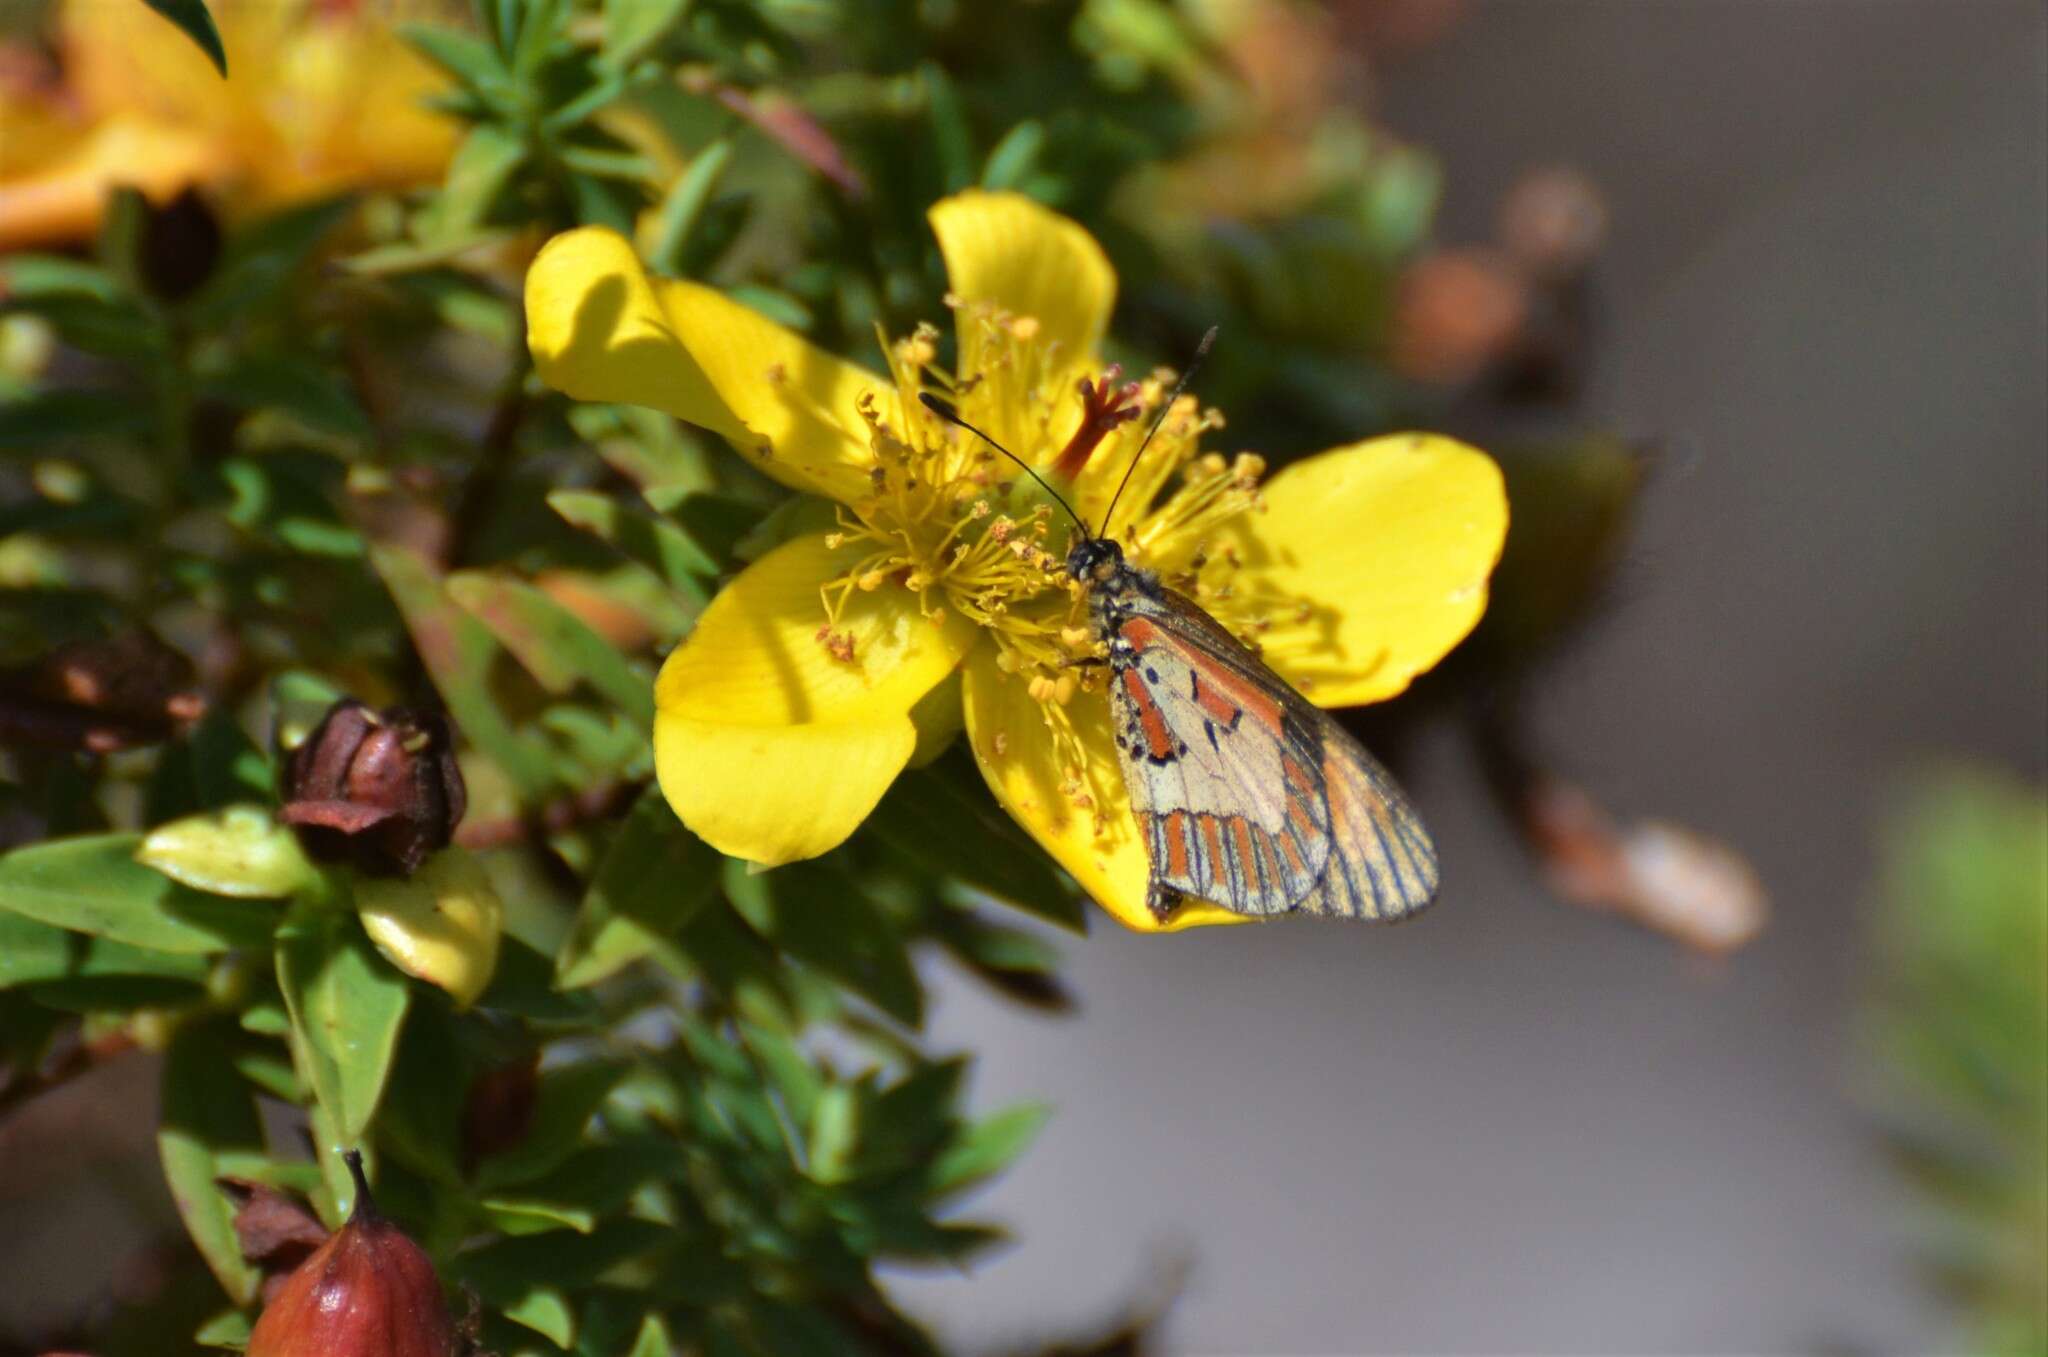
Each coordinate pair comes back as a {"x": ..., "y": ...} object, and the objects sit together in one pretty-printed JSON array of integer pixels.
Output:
[{"x": 1513, "y": 1127}]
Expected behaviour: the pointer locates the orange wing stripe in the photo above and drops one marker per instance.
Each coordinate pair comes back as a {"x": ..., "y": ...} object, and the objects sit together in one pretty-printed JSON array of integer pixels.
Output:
[
  {"x": 1212, "y": 839},
  {"x": 1177, "y": 845},
  {"x": 1249, "y": 865},
  {"x": 1152, "y": 721}
]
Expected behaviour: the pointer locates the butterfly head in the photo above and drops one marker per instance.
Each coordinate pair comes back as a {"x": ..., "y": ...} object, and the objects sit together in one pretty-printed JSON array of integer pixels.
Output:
[{"x": 1094, "y": 560}]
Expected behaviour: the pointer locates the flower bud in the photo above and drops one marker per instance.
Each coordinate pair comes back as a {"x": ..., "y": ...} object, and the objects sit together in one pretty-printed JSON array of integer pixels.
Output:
[
  {"x": 380, "y": 790},
  {"x": 367, "y": 1292}
]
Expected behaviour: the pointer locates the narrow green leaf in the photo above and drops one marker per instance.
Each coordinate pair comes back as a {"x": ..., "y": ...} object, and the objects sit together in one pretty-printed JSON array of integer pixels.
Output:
[
  {"x": 1015, "y": 156},
  {"x": 952, "y": 136},
  {"x": 346, "y": 1005},
  {"x": 652, "y": 1340},
  {"x": 229, "y": 1330},
  {"x": 457, "y": 651},
  {"x": 227, "y": 766},
  {"x": 209, "y": 1127},
  {"x": 307, "y": 391},
  {"x": 569, "y": 1097},
  {"x": 931, "y": 818},
  {"x": 470, "y": 60},
  {"x": 94, "y": 885},
  {"x": 523, "y": 1215},
  {"x": 655, "y": 877},
  {"x": 191, "y": 16},
  {"x": 988, "y": 1148},
  {"x": 816, "y": 912},
  {"x": 631, "y": 27},
  {"x": 686, "y": 200},
  {"x": 553, "y": 643},
  {"x": 48, "y": 416},
  {"x": 480, "y": 168},
  {"x": 656, "y": 543},
  {"x": 34, "y": 277}
]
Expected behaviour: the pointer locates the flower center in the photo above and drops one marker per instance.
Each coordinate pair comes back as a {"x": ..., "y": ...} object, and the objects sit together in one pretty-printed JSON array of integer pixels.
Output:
[{"x": 962, "y": 527}]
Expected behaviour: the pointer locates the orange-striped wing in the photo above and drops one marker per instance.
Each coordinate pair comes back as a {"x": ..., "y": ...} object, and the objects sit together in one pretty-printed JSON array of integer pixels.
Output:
[
  {"x": 1247, "y": 794},
  {"x": 1222, "y": 770},
  {"x": 1382, "y": 862}
]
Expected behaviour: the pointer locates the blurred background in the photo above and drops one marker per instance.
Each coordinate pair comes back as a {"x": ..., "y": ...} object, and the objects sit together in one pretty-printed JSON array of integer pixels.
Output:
[
  {"x": 1818, "y": 303},
  {"x": 1515, "y": 1127}
]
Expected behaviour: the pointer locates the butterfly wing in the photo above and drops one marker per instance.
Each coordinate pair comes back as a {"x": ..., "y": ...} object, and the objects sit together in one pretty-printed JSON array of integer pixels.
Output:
[
  {"x": 1222, "y": 761},
  {"x": 1382, "y": 862}
]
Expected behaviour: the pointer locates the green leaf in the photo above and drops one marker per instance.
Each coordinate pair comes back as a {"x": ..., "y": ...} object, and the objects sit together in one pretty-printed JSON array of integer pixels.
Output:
[
  {"x": 652, "y": 1340},
  {"x": 457, "y": 651},
  {"x": 653, "y": 880},
  {"x": 988, "y": 1148},
  {"x": 35, "y": 277},
  {"x": 346, "y": 1006},
  {"x": 569, "y": 1097},
  {"x": 684, "y": 205},
  {"x": 816, "y": 912},
  {"x": 191, "y": 16},
  {"x": 209, "y": 1127},
  {"x": 470, "y": 60},
  {"x": 39, "y": 955},
  {"x": 240, "y": 851},
  {"x": 525, "y": 1215},
  {"x": 479, "y": 171},
  {"x": 656, "y": 543},
  {"x": 1015, "y": 156},
  {"x": 631, "y": 27},
  {"x": 49, "y": 416},
  {"x": 931, "y": 818},
  {"x": 94, "y": 885},
  {"x": 228, "y": 1329},
  {"x": 420, "y": 1123},
  {"x": 553, "y": 643},
  {"x": 226, "y": 764},
  {"x": 305, "y": 390}
]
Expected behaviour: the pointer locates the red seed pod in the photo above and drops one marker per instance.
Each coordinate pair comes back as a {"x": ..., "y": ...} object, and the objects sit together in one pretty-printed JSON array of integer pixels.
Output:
[
  {"x": 367, "y": 1292},
  {"x": 380, "y": 790}
]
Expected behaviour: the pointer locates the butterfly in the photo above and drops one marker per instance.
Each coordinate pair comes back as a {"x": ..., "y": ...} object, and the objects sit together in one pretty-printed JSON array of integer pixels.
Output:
[{"x": 1246, "y": 794}]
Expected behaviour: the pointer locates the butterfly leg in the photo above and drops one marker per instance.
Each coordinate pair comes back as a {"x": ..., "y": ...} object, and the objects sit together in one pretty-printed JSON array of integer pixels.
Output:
[{"x": 1162, "y": 900}]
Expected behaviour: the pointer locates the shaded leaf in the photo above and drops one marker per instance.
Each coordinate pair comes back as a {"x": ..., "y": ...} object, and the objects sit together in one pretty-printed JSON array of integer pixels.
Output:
[
  {"x": 94, "y": 885},
  {"x": 654, "y": 878},
  {"x": 931, "y": 818},
  {"x": 209, "y": 1129},
  {"x": 457, "y": 650},
  {"x": 554, "y": 645},
  {"x": 346, "y": 1006},
  {"x": 191, "y": 16},
  {"x": 817, "y": 913}
]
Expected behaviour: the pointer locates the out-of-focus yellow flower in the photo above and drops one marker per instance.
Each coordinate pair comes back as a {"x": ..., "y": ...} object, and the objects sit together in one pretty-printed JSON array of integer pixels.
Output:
[
  {"x": 806, "y": 685},
  {"x": 321, "y": 96}
]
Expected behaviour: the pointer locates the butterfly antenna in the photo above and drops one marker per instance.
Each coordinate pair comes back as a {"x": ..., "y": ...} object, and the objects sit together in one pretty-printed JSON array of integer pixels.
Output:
[
  {"x": 1165, "y": 408},
  {"x": 944, "y": 410}
]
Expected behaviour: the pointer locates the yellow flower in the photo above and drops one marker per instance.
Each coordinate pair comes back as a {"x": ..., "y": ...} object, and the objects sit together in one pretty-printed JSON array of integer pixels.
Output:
[
  {"x": 802, "y": 692},
  {"x": 321, "y": 96}
]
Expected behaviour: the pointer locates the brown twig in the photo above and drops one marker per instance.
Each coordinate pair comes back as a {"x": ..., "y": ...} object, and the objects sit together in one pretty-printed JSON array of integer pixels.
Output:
[{"x": 599, "y": 802}]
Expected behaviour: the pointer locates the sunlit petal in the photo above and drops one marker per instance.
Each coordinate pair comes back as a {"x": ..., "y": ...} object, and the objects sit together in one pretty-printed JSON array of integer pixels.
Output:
[
  {"x": 1386, "y": 547},
  {"x": 601, "y": 329},
  {"x": 1018, "y": 758},
  {"x": 773, "y": 742}
]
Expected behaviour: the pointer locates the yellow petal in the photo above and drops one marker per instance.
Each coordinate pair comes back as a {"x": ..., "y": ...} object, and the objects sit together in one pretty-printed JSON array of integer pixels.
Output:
[
  {"x": 602, "y": 330},
  {"x": 1386, "y": 546},
  {"x": 63, "y": 198},
  {"x": 441, "y": 925},
  {"x": 1005, "y": 251},
  {"x": 1008, "y": 734},
  {"x": 769, "y": 745}
]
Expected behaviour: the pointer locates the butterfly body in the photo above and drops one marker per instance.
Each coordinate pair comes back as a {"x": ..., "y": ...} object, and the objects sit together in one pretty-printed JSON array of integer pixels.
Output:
[{"x": 1247, "y": 795}]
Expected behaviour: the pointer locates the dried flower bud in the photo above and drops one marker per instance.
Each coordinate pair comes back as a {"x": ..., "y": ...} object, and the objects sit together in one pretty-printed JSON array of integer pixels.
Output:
[
  {"x": 110, "y": 693},
  {"x": 380, "y": 790},
  {"x": 1553, "y": 221},
  {"x": 369, "y": 1291},
  {"x": 1456, "y": 312}
]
